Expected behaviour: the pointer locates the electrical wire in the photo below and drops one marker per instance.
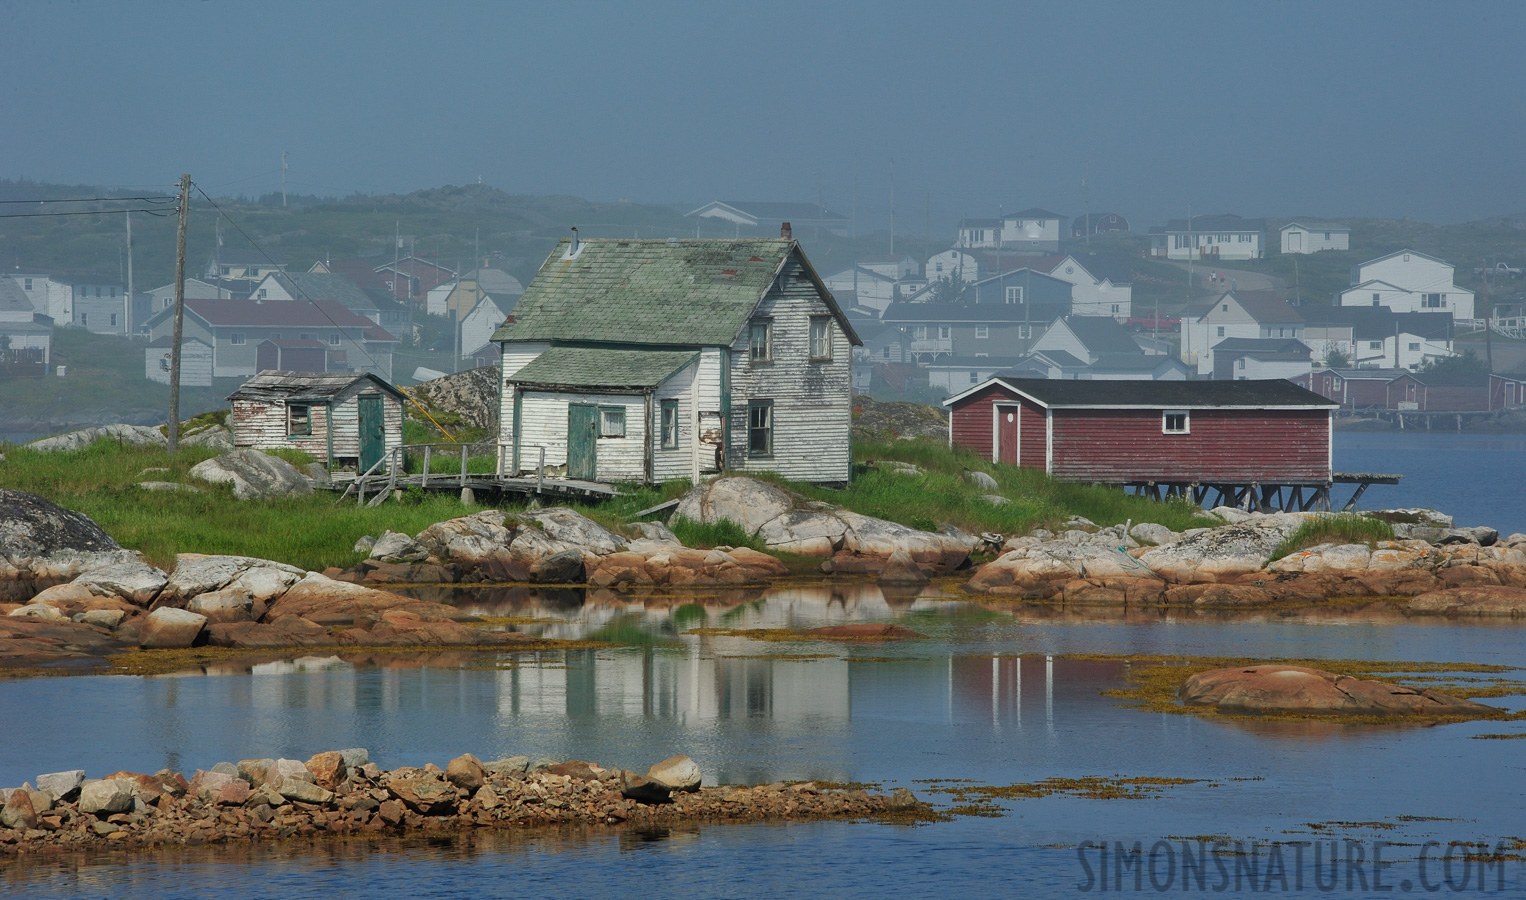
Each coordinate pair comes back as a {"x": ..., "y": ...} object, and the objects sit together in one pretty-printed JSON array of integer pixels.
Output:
[
  {"x": 160, "y": 199},
  {"x": 90, "y": 212}
]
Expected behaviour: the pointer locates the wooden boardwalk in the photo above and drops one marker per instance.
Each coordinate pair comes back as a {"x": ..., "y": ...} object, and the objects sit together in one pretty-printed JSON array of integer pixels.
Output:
[
  {"x": 1263, "y": 497},
  {"x": 387, "y": 477}
]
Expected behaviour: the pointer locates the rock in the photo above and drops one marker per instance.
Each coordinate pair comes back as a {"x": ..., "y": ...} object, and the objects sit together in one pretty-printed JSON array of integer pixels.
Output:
[
  {"x": 895, "y": 467},
  {"x": 862, "y": 631},
  {"x": 135, "y": 435},
  {"x": 355, "y": 757},
  {"x": 512, "y": 765},
  {"x": 328, "y": 769},
  {"x": 32, "y": 527},
  {"x": 1278, "y": 688},
  {"x": 364, "y": 545},
  {"x": 1218, "y": 554},
  {"x": 396, "y": 547},
  {"x": 643, "y": 789},
  {"x": 62, "y": 785},
  {"x": 329, "y": 602},
  {"x": 900, "y": 568},
  {"x": 1483, "y": 600},
  {"x": 168, "y": 628},
  {"x": 256, "y": 771},
  {"x": 304, "y": 791},
  {"x": 576, "y": 769},
  {"x": 1413, "y": 515},
  {"x": 317, "y": 473},
  {"x": 103, "y": 618},
  {"x": 293, "y": 769},
  {"x": 678, "y": 773},
  {"x": 227, "y": 605},
  {"x": 137, "y": 582},
  {"x": 656, "y": 531},
  {"x": 869, "y": 536},
  {"x": 254, "y": 475},
  {"x": 1481, "y": 535},
  {"x": 18, "y": 811},
  {"x": 1080, "y": 523},
  {"x": 566, "y": 567},
  {"x": 903, "y": 800},
  {"x": 425, "y": 796},
  {"x": 746, "y": 501},
  {"x": 487, "y": 798},
  {"x": 995, "y": 499},
  {"x": 391, "y": 812},
  {"x": 39, "y": 611},
  {"x": 205, "y": 784},
  {"x": 804, "y": 532},
  {"x": 169, "y": 487},
  {"x": 466, "y": 771},
  {"x": 1151, "y": 533},
  {"x": 571, "y": 527},
  {"x": 983, "y": 481},
  {"x": 108, "y": 796},
  {"x": 286, "y": 631},
  {"x": 472, "y": 395}
]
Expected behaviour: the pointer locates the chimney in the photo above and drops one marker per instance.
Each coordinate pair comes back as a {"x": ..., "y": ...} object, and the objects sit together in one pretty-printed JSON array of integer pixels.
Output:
[
  {"x": 784, "y": 231},
  {"x": 574, "y": 251}
]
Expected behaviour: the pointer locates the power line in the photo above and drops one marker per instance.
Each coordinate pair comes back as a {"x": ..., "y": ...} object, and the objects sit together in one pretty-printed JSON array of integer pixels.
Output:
[
  {"x": 91, "y": 212},
  {"x": 160, "y": 199},
  {"x": 359, "y": 344}
]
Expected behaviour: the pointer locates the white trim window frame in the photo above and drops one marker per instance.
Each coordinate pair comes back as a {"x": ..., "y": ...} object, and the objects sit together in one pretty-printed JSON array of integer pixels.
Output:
[
  {"x": 1175, "y": 421},
  {"x": 760, "y": 341}
]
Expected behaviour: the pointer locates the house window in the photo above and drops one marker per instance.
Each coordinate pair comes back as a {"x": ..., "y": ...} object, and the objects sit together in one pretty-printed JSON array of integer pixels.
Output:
[
  {"x": 886, "y": 352},
  {"x": 1221, "y": 331},
  {"x": 29, "y": 284},
  {"x": 1376, "y": 299},
  {"x": 760, "y": 341},
  {"x": 669, "y": 424},
  {"x": 821, "y": 337},
  {"x": 1115, "y": 309},
  {"x": 939, "y": 267},
  {"x": 944, "y": 332},
  {"x": 264, "y": 295},
  {"x": 83, "y": 317},
  {"x": 1327, "y": 235},
  {"x": 1414, "y": 345},
  {"x": 113, "y": 319},
  {"x": 1174, "y": 421},
  {"x": 236, "y": 339},
  {"x": 226, "y": 270},
  {"x": 919, "y": 332},
  {"x": 334, "y": 339},
  {"x": 98, "y": 291},
  {"x": 307, "y": 337},
  {"x": 982, "y": 331},
  {"x": 1432, "y": 301},
  {"x": 1014, "y": 295},
  {"x": 1024, "y": 332},
  {"x": 1374, "y": 345},
  {"x": 974, "y": 377},
  {"x": 1224, "y": 308},
  {"x": 299, "y": 421},
  {"x": 1240, "y": 363},
  {"x": 611, "y": 421},
  {"x": 760, "y": 428}
]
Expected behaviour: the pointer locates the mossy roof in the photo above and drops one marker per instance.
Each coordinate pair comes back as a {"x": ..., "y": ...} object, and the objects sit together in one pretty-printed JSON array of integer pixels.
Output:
[{"x": 602, "y": 367}]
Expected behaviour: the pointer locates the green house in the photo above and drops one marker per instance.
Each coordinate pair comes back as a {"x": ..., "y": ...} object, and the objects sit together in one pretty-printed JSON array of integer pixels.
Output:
[{"x": 632, "y": 360}]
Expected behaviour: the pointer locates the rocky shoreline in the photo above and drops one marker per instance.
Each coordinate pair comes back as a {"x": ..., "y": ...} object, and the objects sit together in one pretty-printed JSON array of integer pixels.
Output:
[{"x": 338, "y": 793}]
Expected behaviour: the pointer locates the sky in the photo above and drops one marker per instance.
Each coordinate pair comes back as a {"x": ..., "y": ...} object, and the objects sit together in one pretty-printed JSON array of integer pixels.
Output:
[{"x": 1261, "y": 108}]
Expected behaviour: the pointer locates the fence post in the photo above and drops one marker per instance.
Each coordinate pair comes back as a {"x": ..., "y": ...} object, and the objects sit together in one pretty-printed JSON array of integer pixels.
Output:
[
  {"x": 463, "y": 465},
  {"x": 427, "y": 449}
]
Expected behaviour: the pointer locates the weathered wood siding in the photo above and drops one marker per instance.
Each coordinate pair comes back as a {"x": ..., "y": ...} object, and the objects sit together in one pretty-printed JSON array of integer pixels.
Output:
[
  {"x": 1224, "y": 445},
  {"x": 515, "y": 356},
  {"x": 1032, "y": 439},
  {"x": 970, "y": 422},
  {"x": 262, "y": 425},
  {"x": 675, "y": 462},
  {"x": 347, "y": 421},
  {"x": 1442, "y": 397},
  {"x": 195, "y": 364},
  {"x": 812, "y": 400},
  {"x": 543, "y": 423}
]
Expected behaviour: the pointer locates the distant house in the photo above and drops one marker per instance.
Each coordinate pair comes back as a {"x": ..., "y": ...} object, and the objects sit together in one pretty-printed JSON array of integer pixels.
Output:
[
  {"x": 1352, "y": 388},
  {"x": 478, "y": 326},
  {"x": 1032, "y": 230},
  {"x": 1408, "y": 281},
  {"x": 1312, "y": 238},
  {"x": 1507, "y": 389},
  {"x": 976, "y": 234},
  {"x": 1209, "y": 237},
  {"x": 631, "y": 360},
  {"x": 1102, "y": 283},
  {"x": 346, "y": 419},
  {"x": 955, "y": 262},
  {"x": 970, "y": 330},
  {"x": 97, "y": 303},
  {"x": 871, "y": 290},
  {"x": 952, "y": 374},
  {"x": 162, "y": 298},
  {"x": 1097, "y": 223},
  {"x": 1439, "y": 392},
  {"x": 1087, "y": 338},
  {"x": 1122, "y": 432},
  {"x": 236, "y": 328},
  {"x": 750, "y": 214},
  {"x": 460, "y": 297},
  {"x": 237, "y": 262},
  {"x": 1370, "y": 336},
  {"x": 26, "y": 335},
  {"x": 1235, "y": 314},
  {"x": 1059, "y": 364},
  {"x": 392, "y": 315},
  {"x": 1024, "y": 286},
  {"x": 1258, "y": 359},
  {"x": 411, "y": 278},
  {"x": 52, "y": 298},
  {"x": 195, "y": 361}
]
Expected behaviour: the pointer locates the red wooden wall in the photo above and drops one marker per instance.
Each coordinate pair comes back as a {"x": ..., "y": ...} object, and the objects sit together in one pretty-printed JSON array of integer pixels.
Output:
[{"x": 1224, "y": 445}]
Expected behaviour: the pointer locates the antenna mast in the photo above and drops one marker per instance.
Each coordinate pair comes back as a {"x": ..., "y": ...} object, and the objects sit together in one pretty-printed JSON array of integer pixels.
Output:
[{"x": 283, "y": 179}]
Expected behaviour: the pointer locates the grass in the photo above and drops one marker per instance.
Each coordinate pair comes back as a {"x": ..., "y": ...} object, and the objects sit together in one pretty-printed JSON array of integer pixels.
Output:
[
  {"x": 1346, "y": 528},
  {"x": 724, "y": 533}
]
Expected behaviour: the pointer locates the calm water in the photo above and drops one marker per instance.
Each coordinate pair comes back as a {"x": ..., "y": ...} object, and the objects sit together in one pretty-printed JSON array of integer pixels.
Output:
[
  {"x": 994, "y": 695},
  {"x": 1477, "y": 478}
]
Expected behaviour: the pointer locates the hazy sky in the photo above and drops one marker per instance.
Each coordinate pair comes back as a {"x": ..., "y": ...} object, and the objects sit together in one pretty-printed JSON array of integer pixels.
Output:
[{"x": 1264, "y": 108}]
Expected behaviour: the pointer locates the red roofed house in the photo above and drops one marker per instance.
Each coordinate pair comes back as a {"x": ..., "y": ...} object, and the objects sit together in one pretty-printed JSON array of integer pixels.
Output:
[
  {"x": 1137, "y": 432},
  {"x": 236, "y": 329}
]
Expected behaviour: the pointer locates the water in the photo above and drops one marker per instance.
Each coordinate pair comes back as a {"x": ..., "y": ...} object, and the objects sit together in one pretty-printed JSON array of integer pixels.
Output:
[
  {"x": 995, "y": 694},
  {"x": 1476, "y": 478}
]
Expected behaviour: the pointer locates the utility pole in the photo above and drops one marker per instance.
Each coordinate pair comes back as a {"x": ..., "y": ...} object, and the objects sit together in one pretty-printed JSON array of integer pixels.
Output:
[
  {"x": 1488, "y": 321},
  {"x": 1297, "y": 291},
  {"x": 127, "y": 303},
  {"x": 892, "y": 207},
  {"x": 1086, "y": 209},
  {"x": 1191, "y": 247},
  {"x": 185, "y": 211},
  {"x": 283, "y": 179}
]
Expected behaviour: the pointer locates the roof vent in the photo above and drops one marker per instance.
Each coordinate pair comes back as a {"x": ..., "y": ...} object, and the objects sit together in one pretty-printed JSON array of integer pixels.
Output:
[
  {"x": 574, "y": 248},
  {"x": 785, "y": 232}
]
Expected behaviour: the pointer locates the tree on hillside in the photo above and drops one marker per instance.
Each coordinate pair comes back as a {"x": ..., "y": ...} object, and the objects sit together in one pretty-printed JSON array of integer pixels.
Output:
[
  {"x": 1335, "y": 359},
  {"x": 950, "y": 289},
  {"x": 1466, "y": 364}
]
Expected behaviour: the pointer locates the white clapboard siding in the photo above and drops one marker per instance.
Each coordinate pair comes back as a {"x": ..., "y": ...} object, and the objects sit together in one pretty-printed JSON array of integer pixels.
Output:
[
  {"x": 262, "y": 425},
  {"x": 515, "y": 356},
  {"x": 543, "y": 422},
  {"x": 195, "y": 365},
  {"x": 676, "y": 462},
  {"x": 811, "y": 400}
]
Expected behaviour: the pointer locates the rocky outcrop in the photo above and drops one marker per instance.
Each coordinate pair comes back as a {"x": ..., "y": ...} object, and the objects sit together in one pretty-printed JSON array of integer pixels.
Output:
[
  {"x": 342, "y": 792},
  {"x": 136, "y": 435},
  {"x": 254, "y": 475},
  {"x": 1295, "y": 689},
  {"x": 472, "y": 395},
  {"x": 1483, "y": 600},
  {"x": 43, "y": 544},
  {"x": 791, "y": 524}
]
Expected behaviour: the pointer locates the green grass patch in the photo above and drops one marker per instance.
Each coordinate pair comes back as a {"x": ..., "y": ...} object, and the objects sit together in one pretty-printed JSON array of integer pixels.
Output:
[
  {"x": 724, "y": 533},
  {"x": 1345, "y": 528}
]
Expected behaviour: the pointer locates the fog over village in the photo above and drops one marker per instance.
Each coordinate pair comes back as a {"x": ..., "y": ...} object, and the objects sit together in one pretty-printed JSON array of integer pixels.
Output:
[{"x": 613, "y": 439}]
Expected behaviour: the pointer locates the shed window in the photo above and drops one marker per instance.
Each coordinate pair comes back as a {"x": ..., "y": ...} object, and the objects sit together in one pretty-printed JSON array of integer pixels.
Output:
[
  {"x": 334, "y": 339},
  {"x": 821, "y": 337},
  {"x": 669, "y": 424},
  {"x": 1221, "y": 331},
  {"x": 1413, "y": 345},
  {"x": 1174, "y": 421},
  {"x": 1014, "y": 294},
  {"x": 760, "y": 341},
  {"x": 299, "y": 420},
  {"x": 236, "y": 338},
  {"x": 982, "y": 331},
  {"x": 1374, "y": 345},
  {"x": 611, "y": 421},
  {"x": 760, "y": 428}
]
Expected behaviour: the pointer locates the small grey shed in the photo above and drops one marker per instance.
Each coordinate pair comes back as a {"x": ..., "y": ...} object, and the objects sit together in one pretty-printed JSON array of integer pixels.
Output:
[{"x": 344, "y": 418}]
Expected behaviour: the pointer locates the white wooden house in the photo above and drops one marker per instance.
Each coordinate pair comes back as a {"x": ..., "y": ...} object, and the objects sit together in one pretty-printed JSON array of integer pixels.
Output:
[
  {"x": 1236, "y": 314},
  {"x": 1209, "y": 237},
  {"x": 346, "y": 419},
  {"x": 1314, "y": 237},
  {"x": 1102, "y": 284},
  {"x": 1408, "y": 281},
  {"x": 478, "y": 326},
  {"x": 195, "y": 361},
  {"x": 632, "y": 360}
]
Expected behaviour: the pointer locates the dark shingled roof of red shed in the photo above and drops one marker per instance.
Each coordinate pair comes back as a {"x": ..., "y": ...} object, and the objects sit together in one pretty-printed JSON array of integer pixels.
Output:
[{"x": 1168, "y": 394}]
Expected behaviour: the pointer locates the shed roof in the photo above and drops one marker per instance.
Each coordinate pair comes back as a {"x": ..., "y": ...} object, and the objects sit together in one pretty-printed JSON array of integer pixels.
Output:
[
  {"x": 333, "y": 286},
  {"x": 1449, "y": 379},
  {"x": 1260, "y": 394},
  {"x": 12, "y": 297},
  {"x": 688, "y": 293},
  {"x": 1032, "y": 212},
  {"x": 1317, "y": 226},
  {"x": 1101, "y": 334},
  {"x": 256, "y": 314},
  {"x": 602, "y": 367},
  {"x": 996, "y": 313},
  {"x": 277, "y": 385}
]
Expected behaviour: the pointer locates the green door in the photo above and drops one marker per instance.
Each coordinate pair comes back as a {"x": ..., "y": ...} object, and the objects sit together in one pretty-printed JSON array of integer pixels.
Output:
[
  {"x": 582, "y": 441},
  {"x": 373, "y": 440}
]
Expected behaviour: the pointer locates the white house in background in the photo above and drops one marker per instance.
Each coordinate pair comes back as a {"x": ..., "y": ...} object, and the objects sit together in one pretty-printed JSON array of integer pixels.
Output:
[
  {"x": 956, "y": 374},
  {"x": 1408, "y": 281},
  {"x": 1087, "y": 338},
  {"x": 739, "y": 214},
  {"x": 1300, "y": 238},
  {"x": 195, "y": 361},
  {"x": 51, "y": 297},
  {"x": 979, "y": 234},
  {"x": 871, "y": 290},
  {"x": 1209, "y": 237},
  {"x": 954, "y": 262},
  {"x": 1032, "y": 230},
  {"x": 1235, "y": 314},
  {"x": 22, "y": 328},
  {"x": 1256, "y": 359},
  {"x": 162, "y": 298},
  {"x": 1102, "y": 283},
  {"x": 478, "y": 326}
]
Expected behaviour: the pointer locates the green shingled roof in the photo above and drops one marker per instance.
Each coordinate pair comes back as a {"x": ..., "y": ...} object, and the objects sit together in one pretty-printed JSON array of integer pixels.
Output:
[
  {"x": 698, "y": 292},
  {"x": 602, "y": 367}
]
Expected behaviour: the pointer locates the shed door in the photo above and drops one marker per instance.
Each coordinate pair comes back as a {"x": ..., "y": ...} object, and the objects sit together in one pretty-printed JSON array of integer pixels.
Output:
[
  {"x": 583, "y": 441},
  {"x": 267, "y": 356},
  {"x": 1007, "y": 434},
  {"x": 373, "y": 437}
]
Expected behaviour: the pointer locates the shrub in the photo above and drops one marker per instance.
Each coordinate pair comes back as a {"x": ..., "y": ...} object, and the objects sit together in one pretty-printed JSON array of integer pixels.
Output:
[
  {"x": 724, "y": 533},
  {"x": 1345, "y": 528}
]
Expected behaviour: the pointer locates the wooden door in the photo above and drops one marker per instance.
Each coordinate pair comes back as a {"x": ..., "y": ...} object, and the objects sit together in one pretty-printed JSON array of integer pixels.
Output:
[
  {"x": 1007, "y": 434},
  {"x": 373, "y": 435},
  {"x": 583, "y": 441}
]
